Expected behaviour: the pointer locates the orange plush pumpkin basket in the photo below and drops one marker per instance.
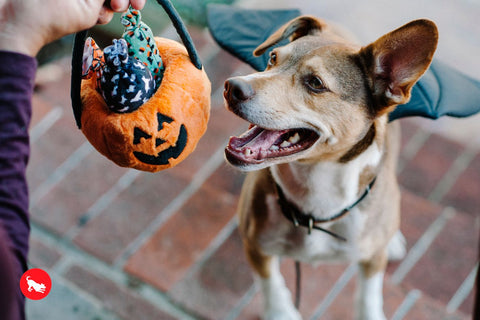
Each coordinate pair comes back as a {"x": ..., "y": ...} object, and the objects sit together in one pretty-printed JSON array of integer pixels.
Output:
[{"x": 164, "y": 130}]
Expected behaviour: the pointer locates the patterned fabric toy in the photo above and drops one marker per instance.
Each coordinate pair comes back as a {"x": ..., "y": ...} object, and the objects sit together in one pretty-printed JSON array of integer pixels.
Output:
[
  {"x": 141, "y": 43},
  {"x": 126, "y": 83},
  {"x": 92, "y": 62},
  {"x": 126, "y": 117}
]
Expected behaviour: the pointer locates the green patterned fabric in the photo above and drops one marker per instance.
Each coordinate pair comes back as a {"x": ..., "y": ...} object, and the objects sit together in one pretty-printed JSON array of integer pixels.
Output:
[{"x": 141, "y": 43}]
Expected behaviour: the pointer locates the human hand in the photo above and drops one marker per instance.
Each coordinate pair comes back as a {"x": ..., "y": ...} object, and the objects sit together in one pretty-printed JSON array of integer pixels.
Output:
[
  {"x": 27, "y": 25},
  {"x": 111, "y": 6}
]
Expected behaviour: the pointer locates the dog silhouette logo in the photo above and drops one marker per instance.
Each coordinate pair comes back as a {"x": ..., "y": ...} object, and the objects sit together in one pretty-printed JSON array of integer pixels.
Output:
[{"x": 35, "y": 284}]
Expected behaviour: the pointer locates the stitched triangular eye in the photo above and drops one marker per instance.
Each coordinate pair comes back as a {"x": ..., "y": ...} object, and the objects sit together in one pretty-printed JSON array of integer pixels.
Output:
[
  {"x": 138, "y": 134},
  {"x": 159, "y": 141},
  {"x": 161, "y": 119}
]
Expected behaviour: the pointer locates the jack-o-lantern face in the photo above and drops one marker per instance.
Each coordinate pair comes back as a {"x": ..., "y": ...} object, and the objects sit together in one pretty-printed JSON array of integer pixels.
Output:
[
  {"x": 162, "y": 157},
  {"x": 164, "y": 130}
]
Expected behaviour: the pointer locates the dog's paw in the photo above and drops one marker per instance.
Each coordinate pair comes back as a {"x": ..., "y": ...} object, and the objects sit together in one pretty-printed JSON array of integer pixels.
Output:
[
  {"x": 282, "y": 313},
  {"x": 397, "y": 247}
]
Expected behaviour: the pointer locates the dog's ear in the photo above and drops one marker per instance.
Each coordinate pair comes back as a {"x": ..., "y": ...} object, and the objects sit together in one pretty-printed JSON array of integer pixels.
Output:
[
  {"x": 296, "y": 28},
  {"x": 397, "y": 60}
]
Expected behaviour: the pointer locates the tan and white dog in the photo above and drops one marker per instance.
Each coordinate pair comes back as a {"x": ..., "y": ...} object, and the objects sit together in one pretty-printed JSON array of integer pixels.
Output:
[{"x": 322, "y": 154}]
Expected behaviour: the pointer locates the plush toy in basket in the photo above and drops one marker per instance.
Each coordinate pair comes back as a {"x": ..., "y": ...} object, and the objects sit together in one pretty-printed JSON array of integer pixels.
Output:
[{"x": 144, "y": 101}]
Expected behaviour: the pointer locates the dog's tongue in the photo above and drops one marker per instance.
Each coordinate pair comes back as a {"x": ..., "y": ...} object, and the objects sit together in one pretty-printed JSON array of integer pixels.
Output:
[{"x": 255, "y": 143}]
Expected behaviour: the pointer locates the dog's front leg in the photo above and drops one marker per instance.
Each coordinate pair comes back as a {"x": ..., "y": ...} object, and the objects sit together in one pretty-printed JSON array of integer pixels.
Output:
[
  {"x": 277, "y": 300},
  {"x": 369, "y": 293},
  {"x": 278, "y": 303}
]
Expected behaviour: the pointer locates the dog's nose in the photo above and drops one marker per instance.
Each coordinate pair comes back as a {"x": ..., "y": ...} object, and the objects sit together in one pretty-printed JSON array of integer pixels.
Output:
[{"x": 237, "y": 90}]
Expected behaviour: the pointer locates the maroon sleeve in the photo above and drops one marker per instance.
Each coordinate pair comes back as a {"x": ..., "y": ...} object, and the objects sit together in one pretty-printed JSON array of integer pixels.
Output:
[{"x": 17, "y": 74}]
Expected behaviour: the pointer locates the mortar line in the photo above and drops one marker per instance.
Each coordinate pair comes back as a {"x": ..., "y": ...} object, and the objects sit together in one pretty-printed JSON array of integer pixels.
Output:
[
  {"x": 75, "y": 158},
  {"x": 199, "y": 178},
  {"x": 72, "y": 255},
  {"x": 342, "y": 281},
  {"x": 407, "y": 304},
  {"x": 242, "y": 304},
  {"x": 85, "y": 295},
  {"x": 422, "y": 245},
  {"x": 451, "y": 176},
  {"x": 463, "y": 291},
  {"x": 59, "y": 269},
  {"x": 109, "y": 196},
  {"x": 45, "y": 123},
  {"x": 60, "y": 172},
  {"x": 104, "y": 201},
  {"x": 214, "y": 245},
  {"x": 412, "y": 147}
]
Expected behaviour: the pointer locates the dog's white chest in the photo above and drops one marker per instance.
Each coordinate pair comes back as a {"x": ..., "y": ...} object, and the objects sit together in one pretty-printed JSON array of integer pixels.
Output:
[{"x": 283, "y": 238}]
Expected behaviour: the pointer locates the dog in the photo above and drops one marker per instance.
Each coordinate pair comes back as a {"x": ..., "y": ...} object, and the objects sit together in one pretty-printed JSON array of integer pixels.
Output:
[
  {"x": 33, "y": 285},
  {"x": 321, "y": 154}
]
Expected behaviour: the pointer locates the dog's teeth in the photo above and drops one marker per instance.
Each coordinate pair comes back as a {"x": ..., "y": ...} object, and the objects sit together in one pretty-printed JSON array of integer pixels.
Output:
[
  {"x": 285, "y": 144},
  {"x": 295, "y": 138},
  {"x": 248, "y": 152},
  {"x": 274, "y": 147}
]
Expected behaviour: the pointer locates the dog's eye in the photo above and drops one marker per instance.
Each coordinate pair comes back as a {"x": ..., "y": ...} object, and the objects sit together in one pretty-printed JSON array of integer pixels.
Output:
[
  {"x": 314, "y": 84},
  {"x": 273, "y": 59}
]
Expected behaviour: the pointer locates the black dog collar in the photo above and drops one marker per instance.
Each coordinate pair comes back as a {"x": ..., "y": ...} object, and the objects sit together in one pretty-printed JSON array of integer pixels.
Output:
[{"x": 299, "y": 218}]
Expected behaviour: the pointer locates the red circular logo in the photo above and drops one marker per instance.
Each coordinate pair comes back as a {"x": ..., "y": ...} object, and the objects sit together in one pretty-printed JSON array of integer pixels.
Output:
[{"x": 35, "y": 284}]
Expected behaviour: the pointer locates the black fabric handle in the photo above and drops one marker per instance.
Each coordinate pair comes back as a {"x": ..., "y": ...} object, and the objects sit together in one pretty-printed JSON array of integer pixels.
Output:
[
  {"x": 79, "y": 43},
  {"x": 76, "y": 80},
  {"x": 182, "y": 32}
]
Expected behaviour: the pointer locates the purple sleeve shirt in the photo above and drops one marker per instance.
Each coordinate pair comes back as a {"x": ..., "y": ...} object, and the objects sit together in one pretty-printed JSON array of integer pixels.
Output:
[{"x": 17, "y": 74}]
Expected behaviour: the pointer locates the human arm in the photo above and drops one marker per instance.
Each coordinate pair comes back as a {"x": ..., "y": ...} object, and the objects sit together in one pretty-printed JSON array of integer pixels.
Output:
[{"x": 27, "y": 25}]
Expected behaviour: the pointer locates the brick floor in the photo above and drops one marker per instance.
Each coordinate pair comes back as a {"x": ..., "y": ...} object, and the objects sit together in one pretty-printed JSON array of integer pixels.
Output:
[
  {"x": 464, "y": 194},
  {"x": 126, "y": 304},
  {"x": 425, "y": 171},
  {"x": 134, "y": 245}
]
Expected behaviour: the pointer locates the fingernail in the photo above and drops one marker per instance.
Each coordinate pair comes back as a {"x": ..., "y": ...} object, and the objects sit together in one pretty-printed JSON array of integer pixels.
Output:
[{"x": 119, "y": 5}]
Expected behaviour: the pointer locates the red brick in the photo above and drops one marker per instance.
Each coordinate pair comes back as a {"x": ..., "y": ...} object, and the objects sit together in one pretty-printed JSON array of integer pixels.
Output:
[
  {"x": 126, "y": 303},
  {"x": 42, "y": 255},
  {"x": 228, "y": 179},
  {"x": 409, "y": 129},
  {"x": 464, "y": 195},
  {"x": 253, "y": 311},
  {"x": 343, "y": 306},
  {"x": 175, "y": 247},
  {"x": 316, "y": 282},
  {"x": 315, "y": 285},
  {"x": 62, "y": 208},
  {"x": 219, "y": 284},
  {"x": 427, "y": 168},
  {"x": 107, "y": 235},
  {"x": 469, "y": 304},
  {"x": 428, "y": 309},
  {"x": 448, "y": 261},
  {"x": 417, "y": 214}
]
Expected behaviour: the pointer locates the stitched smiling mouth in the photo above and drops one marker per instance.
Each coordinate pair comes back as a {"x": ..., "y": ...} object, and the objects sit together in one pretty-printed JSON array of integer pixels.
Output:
[{"x": 258, "y": 144}]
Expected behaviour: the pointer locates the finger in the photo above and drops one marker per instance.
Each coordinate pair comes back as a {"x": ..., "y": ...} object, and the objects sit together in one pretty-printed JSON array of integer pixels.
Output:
[
  {"x": 138, "y": 4},
  {"x": 105, "y": 16},
  {"x": 119, "y": 5}
]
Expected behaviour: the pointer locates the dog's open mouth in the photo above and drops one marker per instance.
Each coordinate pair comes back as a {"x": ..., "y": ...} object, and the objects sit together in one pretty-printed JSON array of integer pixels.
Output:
[{"x": 258, "y": 144}]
